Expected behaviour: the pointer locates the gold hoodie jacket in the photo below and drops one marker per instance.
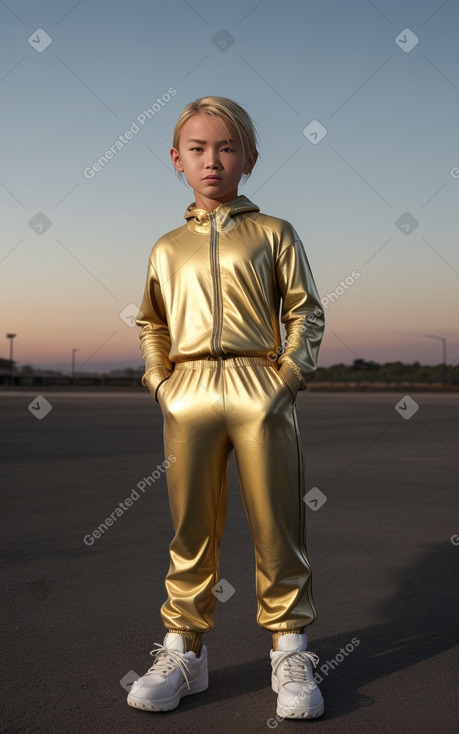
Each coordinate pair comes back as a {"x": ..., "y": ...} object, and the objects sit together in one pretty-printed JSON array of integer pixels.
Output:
[{"x": 214, "y": 290}]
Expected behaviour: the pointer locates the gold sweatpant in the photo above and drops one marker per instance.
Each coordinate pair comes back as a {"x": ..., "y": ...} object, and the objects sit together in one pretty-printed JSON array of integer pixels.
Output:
[{"x": 211, "y": 407}]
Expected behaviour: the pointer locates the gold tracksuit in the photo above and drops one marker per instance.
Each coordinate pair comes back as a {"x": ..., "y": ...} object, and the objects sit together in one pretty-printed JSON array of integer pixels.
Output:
[{"x": 210, "y": 338}]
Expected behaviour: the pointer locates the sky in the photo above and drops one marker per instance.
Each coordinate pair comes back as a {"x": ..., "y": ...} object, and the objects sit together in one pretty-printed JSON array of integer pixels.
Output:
[{"x": 356, "y": 105}]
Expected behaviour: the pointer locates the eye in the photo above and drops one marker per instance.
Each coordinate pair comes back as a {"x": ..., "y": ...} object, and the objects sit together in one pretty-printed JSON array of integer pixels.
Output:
[{"x": 197, "y": 148}]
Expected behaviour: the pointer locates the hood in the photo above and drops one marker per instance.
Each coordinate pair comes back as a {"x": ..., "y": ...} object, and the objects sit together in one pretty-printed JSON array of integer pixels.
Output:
[{"x": 199, "y": 219}]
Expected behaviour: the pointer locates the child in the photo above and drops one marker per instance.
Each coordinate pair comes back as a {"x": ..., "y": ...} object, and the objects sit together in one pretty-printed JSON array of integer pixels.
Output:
[{"x": 210, "y": 338}]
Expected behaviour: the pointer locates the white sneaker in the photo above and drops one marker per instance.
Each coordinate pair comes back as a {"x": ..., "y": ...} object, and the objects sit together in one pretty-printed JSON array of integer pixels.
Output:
[
  {"x": 174, "y": 674},
  {"x": 292, "y": 679}
]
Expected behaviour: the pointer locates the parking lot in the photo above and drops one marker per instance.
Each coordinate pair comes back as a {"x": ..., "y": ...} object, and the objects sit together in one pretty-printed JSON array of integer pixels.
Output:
[{"x": 79, "y": 616}]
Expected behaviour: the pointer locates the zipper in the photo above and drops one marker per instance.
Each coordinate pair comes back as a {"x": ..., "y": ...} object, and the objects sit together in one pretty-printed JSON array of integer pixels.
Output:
[{"x": 217, "y": 308}]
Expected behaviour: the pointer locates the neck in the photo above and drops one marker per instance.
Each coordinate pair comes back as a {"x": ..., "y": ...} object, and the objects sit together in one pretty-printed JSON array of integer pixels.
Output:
[{"x": 202, "y": 202}]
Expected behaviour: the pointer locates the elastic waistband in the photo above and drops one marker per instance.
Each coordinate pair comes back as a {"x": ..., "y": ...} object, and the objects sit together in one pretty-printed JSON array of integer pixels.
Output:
[{"x": 224, "y": 364}]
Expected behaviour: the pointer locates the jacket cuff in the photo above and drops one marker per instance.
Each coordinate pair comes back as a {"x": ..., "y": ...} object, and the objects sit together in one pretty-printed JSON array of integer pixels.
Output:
[
  {"x": 294, "y": 382},
  {"x": 154, "y": 376}
]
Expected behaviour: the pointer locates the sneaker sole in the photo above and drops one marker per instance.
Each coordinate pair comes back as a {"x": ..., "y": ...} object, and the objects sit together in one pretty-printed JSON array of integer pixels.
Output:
[
  {"x": 286, "y": 712},
  {"x": 168, "y": 704},
  {"x": 312, "y": 713}
]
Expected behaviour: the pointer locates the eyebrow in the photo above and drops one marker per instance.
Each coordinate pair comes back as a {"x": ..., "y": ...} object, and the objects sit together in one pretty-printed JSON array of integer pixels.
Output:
[{"x": 203, "y": 142}]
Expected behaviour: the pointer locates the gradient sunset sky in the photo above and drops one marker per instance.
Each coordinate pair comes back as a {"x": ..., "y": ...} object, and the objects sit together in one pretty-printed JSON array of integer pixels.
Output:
[{"x": 377, "y": 194}]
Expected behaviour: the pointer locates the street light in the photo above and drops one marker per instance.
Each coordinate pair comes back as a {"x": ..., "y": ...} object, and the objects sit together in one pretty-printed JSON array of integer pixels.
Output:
[
  {"x": 442, "y": 339},
  {"x": 11, "y": 337},
  {"x": 73, "y": 363}
]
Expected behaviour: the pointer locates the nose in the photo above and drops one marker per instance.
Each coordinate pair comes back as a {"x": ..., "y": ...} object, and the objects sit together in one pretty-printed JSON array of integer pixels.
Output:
[{"x": 212, "y": 159}]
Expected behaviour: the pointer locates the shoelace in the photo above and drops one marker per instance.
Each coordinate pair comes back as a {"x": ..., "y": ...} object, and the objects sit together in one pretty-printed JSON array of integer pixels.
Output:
[
  {"x": 166, "y": 660},
  {"x": 296, "y": 664}
]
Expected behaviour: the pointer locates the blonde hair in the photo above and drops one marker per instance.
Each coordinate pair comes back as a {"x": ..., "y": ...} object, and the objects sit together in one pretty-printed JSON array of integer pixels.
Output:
[{"x": 229, "y": 113}]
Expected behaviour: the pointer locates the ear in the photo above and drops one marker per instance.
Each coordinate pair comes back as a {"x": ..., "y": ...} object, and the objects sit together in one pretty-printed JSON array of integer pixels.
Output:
[
  {"x": 250, "y": 162},
  {"x": 175, "y": 156}
]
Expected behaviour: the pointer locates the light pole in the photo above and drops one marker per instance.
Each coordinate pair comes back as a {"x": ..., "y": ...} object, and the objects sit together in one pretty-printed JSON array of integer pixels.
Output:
[
  {"x": 11, "y": 337},
  {"x": 73, "y": 363},
  {"x": 442, "y": 339}
]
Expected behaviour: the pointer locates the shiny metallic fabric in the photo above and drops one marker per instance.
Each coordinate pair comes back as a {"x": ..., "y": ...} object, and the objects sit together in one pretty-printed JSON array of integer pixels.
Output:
[
  {"x": 214, "y": 289},
  {"x": 211, "y": 407},
  {"x": 215, "y": 364}
]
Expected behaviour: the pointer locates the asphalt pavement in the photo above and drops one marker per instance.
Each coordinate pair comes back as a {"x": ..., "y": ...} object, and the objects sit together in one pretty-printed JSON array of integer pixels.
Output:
[{"x": 81, "y": 605}]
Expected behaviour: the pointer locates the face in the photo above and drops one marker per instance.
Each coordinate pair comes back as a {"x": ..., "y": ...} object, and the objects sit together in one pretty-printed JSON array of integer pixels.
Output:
[{"x": 210, "y": 155}]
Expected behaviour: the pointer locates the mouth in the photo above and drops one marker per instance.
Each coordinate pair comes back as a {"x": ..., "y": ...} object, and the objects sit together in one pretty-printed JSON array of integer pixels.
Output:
[{"x": 212, "y": 178}]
